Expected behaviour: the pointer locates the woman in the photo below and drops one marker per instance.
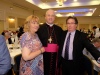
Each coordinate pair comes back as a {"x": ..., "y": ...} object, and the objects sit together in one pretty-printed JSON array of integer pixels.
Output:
[{"x": 31, "y": 49}]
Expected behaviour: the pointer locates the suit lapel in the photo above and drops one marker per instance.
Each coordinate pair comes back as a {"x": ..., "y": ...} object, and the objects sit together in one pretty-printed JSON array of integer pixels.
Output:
[
  {"x": 75, "y": 37},
  {"x": 75, "y": 42},
  {"x": 64, "y": 35},
  {"x": 62, "y": 40}
]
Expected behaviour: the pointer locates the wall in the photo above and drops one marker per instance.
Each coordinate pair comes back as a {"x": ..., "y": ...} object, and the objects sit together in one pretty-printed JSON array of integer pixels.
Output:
[
  {"x": 1, "y": 26},
  {"x": 8, "y": 10}
]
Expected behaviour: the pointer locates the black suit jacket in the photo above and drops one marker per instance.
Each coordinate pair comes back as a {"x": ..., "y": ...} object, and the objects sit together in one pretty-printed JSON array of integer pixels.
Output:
[
  {"x": 79, "y": 43},
  {"x": 43, "y": 33}
]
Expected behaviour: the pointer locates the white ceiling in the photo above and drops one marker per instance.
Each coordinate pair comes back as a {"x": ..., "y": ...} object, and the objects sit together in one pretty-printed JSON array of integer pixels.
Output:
[
  {"x": 45, "y": 4},
  {"x": 79, "y": 8}
]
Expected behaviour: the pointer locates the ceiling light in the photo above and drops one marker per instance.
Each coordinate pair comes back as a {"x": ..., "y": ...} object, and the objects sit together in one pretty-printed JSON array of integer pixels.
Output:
[
  {"x": 90, "y": 9},
  {"x": 70, "y": 14},
  {"x": 41, "y": 23},
  {"x": 58, "y": 15},
  {"x": 11, "y": 19},
  {"x": 75, "y": 0},
  {"x": 60, "y": 2}
]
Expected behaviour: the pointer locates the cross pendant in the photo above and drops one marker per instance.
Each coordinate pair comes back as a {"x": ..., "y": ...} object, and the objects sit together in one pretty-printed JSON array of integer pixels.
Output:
[{"x": 50, "y": 39}]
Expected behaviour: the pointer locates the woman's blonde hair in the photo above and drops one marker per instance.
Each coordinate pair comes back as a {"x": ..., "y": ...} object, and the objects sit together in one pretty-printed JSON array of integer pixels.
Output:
[{"x": 29, "y": 19}]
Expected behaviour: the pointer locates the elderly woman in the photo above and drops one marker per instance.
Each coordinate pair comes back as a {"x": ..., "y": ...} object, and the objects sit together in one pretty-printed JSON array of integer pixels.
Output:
[{"x": 32, "y": 59}]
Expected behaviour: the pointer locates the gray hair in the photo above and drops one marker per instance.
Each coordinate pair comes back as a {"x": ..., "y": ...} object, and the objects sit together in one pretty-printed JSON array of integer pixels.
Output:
[{"x": 97, "y": 39}]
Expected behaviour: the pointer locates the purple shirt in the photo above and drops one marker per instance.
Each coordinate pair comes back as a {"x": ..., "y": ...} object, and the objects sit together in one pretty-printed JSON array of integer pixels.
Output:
[{"x": 70, "y": 57}]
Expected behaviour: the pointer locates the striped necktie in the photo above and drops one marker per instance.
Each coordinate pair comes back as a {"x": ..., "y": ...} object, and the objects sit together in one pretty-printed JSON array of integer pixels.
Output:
[{"x": 67, "y": 47}]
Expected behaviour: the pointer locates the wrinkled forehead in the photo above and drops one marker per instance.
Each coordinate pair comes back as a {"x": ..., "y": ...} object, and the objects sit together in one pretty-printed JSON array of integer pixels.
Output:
[{"x": 50, "y": 12}]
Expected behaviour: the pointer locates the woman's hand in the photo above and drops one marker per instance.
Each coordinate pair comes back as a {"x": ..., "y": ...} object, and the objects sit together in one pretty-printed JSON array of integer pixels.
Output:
[{"x": 42, "y": 50}]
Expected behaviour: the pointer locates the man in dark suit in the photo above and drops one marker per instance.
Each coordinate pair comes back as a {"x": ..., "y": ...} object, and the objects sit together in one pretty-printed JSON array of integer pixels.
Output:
[{"x": 73, "y": 42}]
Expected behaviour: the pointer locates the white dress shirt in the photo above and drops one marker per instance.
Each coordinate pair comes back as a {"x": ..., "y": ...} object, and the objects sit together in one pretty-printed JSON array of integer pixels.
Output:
[
  {"x": 97, "y": 34},
  {"x": 70, "y": 56}
]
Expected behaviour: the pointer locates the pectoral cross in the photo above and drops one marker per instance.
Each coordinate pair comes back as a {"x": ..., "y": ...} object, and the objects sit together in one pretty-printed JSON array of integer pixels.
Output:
[{"x": 50, "y": 39}]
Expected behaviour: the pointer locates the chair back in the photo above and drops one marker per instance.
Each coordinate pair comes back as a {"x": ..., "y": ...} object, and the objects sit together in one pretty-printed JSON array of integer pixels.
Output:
[{"x": 17, "y": 59}]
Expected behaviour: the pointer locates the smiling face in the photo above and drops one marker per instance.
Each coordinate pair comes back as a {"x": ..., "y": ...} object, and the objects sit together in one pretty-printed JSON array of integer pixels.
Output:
[
  {"x": 71, "y": 24},
  {"x": 32, "y": 24},
  {"x": 50, "y": 16}
]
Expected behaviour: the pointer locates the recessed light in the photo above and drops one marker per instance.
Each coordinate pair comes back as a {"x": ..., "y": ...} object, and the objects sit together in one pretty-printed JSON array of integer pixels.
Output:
[
  {"x": 90, "y": 9},
  {"x": 75, "y": 0}
]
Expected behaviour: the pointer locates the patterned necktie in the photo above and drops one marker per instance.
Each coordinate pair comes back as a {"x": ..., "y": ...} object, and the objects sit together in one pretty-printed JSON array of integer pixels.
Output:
[{"x": 67, "y": 47}]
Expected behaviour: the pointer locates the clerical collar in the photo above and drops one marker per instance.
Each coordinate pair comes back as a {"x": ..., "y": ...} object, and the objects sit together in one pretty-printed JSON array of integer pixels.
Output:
[{"x": 49, "y": 24}]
